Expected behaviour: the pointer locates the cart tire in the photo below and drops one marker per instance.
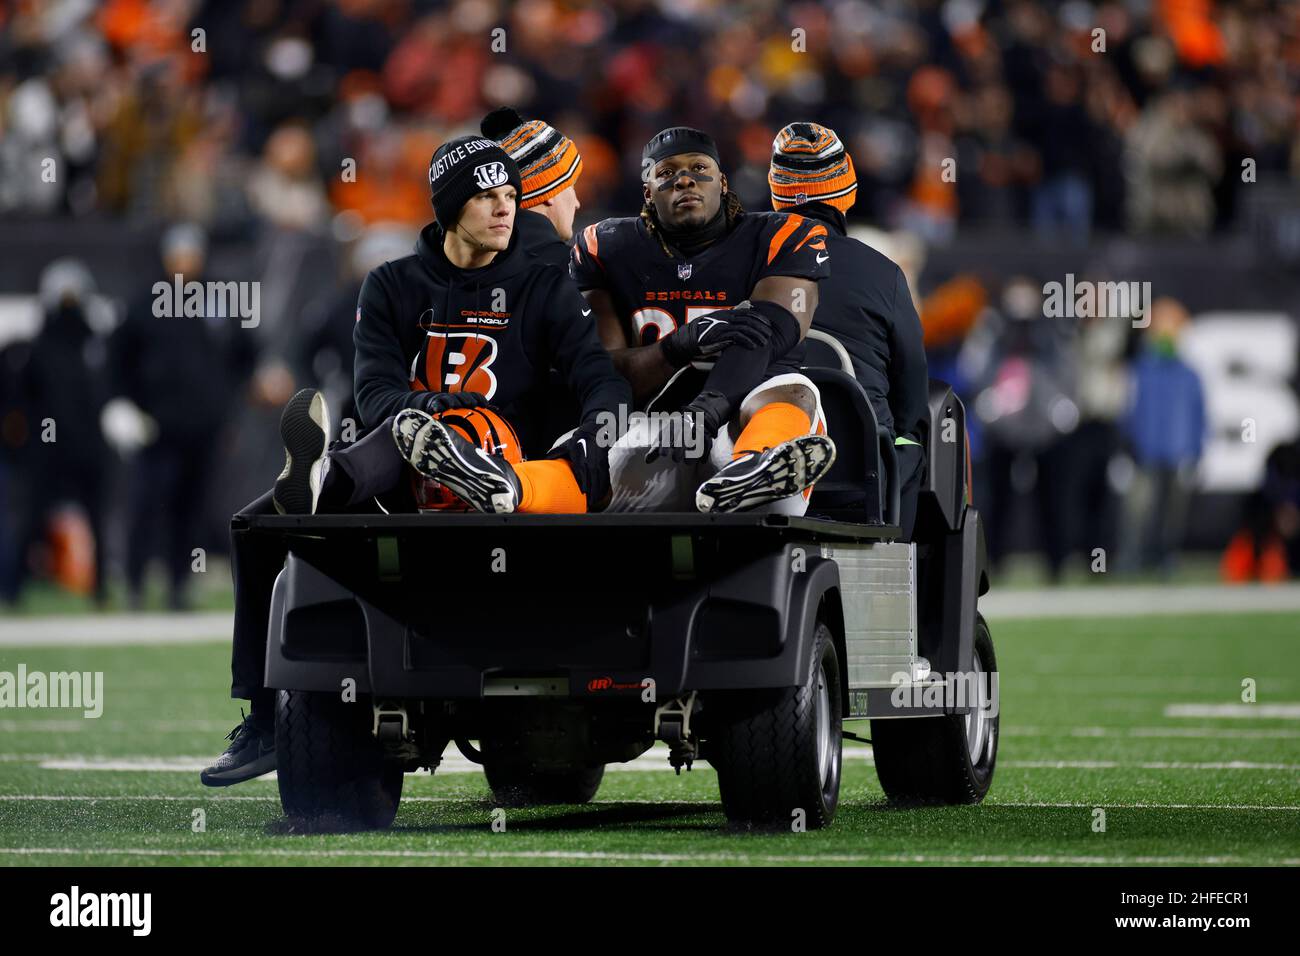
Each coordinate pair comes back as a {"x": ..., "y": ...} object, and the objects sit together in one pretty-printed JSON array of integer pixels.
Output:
[
  {"x": 330, "y": 767},
  {"x": 515, "y": 786},
  {"x": 940, "y": 760},
  {"x": 780, "y": 752}
]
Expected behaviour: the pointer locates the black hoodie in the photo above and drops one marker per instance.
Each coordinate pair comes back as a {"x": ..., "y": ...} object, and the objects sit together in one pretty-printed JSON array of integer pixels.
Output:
[
  {"x": 865, "y": 303},
  {"x": 538, "y": 235},
  {"x": 425, "y": 326}
]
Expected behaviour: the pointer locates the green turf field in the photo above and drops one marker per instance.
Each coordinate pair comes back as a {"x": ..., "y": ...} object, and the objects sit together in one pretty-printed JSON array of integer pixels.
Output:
[{"x": 1085, "y": 725}]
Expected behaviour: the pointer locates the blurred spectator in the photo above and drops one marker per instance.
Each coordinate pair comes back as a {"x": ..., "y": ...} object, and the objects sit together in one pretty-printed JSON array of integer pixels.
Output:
[
  {"x": 1094, "y": 448},
  {"x": 64, "y": 458},
  {"x": 183, "y": 373},
  {"x": 1165, "y": 428},
  {"x": 139, "y": 121},
  {"x": 1019, "y": 365},
  {"x": 1062, "y": 201},
  {"x": 1172, "y": 168},
  {"x": 284, "y": 188},
  {"x": 324, "y": 348},
  {"x": 1268, "y": 547}
]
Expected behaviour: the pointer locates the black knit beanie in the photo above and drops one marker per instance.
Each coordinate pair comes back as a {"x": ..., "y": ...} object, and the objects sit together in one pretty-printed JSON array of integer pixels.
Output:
[{"x": 462, "y": 168}]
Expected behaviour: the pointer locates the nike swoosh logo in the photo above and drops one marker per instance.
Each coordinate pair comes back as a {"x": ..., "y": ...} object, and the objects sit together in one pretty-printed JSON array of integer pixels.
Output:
[
  {"x": 586, "y": 311},
  {"x": 583, "y": 443},
  {"x": 822, "y": 257}
]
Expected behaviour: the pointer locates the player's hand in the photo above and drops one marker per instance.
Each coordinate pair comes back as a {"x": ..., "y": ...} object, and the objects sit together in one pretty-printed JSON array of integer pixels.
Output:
[
  {"x": 703, "y": 338},
  {"x": 691, "y": 436},
  {"x": 589, "y": 459},
  {"x": 439, "y": 402}
]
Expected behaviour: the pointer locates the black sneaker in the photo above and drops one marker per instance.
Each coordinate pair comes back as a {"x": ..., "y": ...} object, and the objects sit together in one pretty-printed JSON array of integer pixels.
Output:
[
  {"x": 486, "y": 482},
  {"x": 759, "y": 478},
  {"x": 305, "y": 429},
  {"x": 251, "y": 753}
]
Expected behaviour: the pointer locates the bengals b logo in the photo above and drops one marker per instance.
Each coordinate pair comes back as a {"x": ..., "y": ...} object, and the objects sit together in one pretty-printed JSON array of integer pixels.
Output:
[{"x": 455, "y": 363}]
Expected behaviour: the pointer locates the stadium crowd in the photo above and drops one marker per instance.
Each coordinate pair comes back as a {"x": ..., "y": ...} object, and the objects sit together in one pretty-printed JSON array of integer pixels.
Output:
[{"x": 302, "y": 130}]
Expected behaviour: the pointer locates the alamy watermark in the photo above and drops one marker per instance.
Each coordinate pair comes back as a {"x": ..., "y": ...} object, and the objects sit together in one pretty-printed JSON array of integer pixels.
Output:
[
  {"x": 178, "y": 298},
  {"x": 130, "y": 910},
  {"x": 975, "y": 689},
  {"x": 81, "y": 690},
  {"x": 665, "y": 429},
  {"x": 1086, "y": 299}
]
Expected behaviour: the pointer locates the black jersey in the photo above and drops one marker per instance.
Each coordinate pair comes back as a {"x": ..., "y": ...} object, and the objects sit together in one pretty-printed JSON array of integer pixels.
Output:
[{"x": 654, "y": 293}]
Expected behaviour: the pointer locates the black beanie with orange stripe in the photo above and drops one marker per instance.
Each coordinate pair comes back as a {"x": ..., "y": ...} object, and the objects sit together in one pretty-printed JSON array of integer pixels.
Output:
[{"x": 810, "y": 164}]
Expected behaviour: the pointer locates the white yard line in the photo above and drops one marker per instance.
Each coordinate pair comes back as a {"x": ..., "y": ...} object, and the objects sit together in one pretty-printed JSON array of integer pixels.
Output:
[
  {"x": 649, "y": 762},
  {"x": 117, "y": 630},
  {"x": 1125, "y": 601},
  {"x": 144, "y": 726},
  {"x": 1288, "y": 711},
  {"x": 275, "y": 853},
  {"x": 667, "y": 801},
  {"x": 1189, "y": 733},
  {"x": 1089, "y": 602},
  {"x": 1144, "y": 765},
  {"x": 213, "y": 726}
]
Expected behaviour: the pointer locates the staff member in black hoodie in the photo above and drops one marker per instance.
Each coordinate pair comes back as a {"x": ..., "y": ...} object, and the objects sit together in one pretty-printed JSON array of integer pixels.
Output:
[
  {"x": 471, "y": 318},
  {"x": 865, "y": 302}
]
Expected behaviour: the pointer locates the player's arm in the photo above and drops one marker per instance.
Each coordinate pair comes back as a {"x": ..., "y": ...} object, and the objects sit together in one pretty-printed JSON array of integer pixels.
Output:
[
  {"x": 795, "y": 295},
  {"x": 645, "y": 367},
  {"x": 380, "y": 377},
  {"x": 909, "y": 378},
  {"x": 781, "y": 304}
]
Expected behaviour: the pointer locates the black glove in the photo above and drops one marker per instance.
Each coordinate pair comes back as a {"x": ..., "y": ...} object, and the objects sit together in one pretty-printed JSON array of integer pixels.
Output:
[
  {"x": 438, "y": 402},
  {"x": 589, "y": 459},
  {"x": 701, "y": 420},
  {"x": 705, "y": 337}
]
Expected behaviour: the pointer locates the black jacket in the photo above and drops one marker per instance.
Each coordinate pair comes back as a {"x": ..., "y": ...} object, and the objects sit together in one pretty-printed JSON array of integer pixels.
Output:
[
  {"x": 865, "y": 303},
  {"x": 539, "y": 237},
  {"x": 424, "y": 326}
]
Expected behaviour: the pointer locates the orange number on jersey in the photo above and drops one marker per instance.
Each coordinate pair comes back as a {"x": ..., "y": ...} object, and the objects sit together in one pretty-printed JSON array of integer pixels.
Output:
[{"x": 663, "y": 322}]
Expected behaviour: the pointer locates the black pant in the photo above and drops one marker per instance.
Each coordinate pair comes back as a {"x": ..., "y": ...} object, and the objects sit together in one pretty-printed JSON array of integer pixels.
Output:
[
  {"x": 168, "y": 491},
  {"x": 911, "y": 473},
  {"x": 1000, "y": 504},
  {"x": 358, "y": 473}
]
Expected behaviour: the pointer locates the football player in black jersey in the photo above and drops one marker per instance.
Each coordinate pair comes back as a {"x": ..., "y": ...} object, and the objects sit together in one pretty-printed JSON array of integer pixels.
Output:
[{"x": 704, "y": 308}]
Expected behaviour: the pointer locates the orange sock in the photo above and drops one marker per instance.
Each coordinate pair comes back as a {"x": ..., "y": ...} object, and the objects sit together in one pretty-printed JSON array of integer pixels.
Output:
[
  {"x": 772, "y": 424},
  {"x": 549, "y": 488}
]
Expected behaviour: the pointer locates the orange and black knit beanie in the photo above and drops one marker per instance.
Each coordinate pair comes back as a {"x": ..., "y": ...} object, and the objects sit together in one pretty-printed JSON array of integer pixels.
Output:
[
  {"x": 810, "y": 164},
  {"x": 548, "y": 160}
]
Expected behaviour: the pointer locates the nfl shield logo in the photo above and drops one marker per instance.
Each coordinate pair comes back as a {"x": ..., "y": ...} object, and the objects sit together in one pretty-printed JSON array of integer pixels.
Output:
[
  {"x": 800, "y": 198},
  {"x": 684, "y": 271}
]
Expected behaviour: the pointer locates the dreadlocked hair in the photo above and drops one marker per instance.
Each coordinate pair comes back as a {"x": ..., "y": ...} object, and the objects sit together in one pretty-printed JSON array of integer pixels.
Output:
[{"x": 732, "y": 209}]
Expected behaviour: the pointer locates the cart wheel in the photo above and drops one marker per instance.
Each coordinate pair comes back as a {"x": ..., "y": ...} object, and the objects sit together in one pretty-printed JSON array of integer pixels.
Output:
[
  {"x": 942, "y": 760},
  {"x": 331, "y": 769},
  {"x": 516, "y": 786},
  {"x": 779, "y": 752}
]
